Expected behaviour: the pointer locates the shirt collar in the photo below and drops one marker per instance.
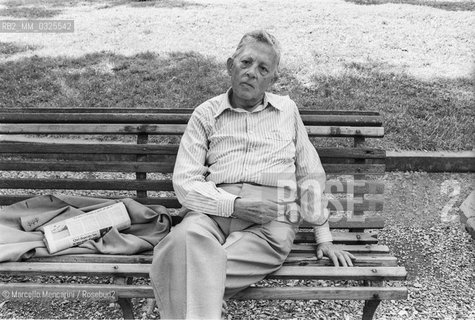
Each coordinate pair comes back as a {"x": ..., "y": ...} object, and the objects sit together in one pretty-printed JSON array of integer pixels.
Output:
[{"x": 269, "y": 100}]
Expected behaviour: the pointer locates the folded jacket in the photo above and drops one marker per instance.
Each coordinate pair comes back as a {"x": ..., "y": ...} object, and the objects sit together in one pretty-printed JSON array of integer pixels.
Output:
[{"x": 21, "y": 223}]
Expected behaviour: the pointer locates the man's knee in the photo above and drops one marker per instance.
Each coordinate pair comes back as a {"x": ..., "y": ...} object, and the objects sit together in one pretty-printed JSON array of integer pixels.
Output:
[{"x": 280, "y": 236}]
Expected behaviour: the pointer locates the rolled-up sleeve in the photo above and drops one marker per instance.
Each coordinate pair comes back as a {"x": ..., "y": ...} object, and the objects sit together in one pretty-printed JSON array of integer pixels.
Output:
[{"x": 311, "y": 180}]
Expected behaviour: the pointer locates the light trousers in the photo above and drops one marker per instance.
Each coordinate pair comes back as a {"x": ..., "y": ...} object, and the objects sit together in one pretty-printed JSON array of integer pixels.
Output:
[{"x": 205, "y": 260}]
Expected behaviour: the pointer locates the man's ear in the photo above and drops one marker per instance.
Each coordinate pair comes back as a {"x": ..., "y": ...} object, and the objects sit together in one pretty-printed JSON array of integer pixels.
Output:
[{"x": 229, "y": 65}]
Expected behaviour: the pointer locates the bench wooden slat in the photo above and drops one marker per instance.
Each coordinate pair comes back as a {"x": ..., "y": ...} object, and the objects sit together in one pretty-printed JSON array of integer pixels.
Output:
[
  {"x": 347, "y": 187},
  {"x": 146, "y": 257},
  {"x": 103, "y": 269},
  {"x": 172, "y": 129},
  {"x": 310, "y": 117},
  {"x": 155, "y": 149},
  {"x": 356, "y": 204},
  {"x": 350, "y": 153},
  {"x": 165, "y": 158},
  {"x": 117, "y": 166},
  {"x": 347, "y": 273},
  {"x": 100, "y": 128},
  {"x": 363, "y": 260},
  {"x": 180, "y": 110},
  {"x": 354, "y": 186},
  {"x": 353, "y": 223},
  {"x": 143, "y": 258},
  {"x": 334, "y": 131},
  {"x": 83, "y": 166},
  {"x": 368, "y": 248},
  {"x": 323, "y": 293},
  {"x": 339, "y": 238},
  {"x": 142, "y": 270},
  {"x": 142, "y": 291},
  {"x": 88, "y": 148},
  {"x": 369, "y": 169},
  {"x": 92, "y": 184}
]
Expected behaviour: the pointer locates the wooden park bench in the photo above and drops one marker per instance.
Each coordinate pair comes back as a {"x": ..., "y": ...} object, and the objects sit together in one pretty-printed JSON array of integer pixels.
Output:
[{"x": 38, "y": 146}]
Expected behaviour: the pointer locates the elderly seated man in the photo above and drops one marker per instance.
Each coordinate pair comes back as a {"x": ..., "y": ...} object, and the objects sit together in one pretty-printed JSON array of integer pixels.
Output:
[{"x": 247, "y": 174}]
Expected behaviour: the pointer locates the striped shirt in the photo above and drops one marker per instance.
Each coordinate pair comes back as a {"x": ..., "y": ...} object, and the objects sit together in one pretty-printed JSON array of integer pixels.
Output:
[{"x": 268, "y": 146}]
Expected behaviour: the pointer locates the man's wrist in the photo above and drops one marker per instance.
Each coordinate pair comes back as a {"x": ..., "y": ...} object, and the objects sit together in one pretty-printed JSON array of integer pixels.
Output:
[
  {"x": 236, "y": 207},
  {"x": 322, "y": 233},
  {"x": 226, "y": 204}
]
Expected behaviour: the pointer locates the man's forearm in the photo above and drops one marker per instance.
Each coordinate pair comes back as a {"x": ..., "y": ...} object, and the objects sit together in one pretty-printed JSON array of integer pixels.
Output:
[{"x": 205, "y": 197}]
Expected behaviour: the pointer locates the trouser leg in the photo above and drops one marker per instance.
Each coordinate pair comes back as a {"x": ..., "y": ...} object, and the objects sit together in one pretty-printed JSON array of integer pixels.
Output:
[
  {"x": 189, "y": 270},
  {"x": 255, "y": 252},
  {"x": 195, "y": 266}
]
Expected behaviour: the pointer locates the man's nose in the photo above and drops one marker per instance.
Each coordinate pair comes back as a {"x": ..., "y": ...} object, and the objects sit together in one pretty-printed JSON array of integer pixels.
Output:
[{"x": 251, "y": 72}]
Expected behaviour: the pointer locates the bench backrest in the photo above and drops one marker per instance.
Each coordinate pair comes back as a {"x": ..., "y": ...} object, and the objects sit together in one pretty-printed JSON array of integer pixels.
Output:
[{"x": 63, "y": 150}]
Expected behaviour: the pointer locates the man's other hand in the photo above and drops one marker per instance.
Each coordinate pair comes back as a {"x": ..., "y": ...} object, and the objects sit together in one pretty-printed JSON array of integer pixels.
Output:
[
  {"x": 257, "y": 211},
  {"x": 337, "y": 256}
]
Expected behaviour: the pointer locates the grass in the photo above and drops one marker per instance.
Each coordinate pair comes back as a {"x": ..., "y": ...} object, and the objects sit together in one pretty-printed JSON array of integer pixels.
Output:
[
  {"x": 8, "y": 49},
  {"x": 108, "y": 80},
  {"x": 444, "y": 5},
  {"x": 419, "y": 115},
  {"x": 30, "y": 13},
  {"x": 34, "y": 9}
]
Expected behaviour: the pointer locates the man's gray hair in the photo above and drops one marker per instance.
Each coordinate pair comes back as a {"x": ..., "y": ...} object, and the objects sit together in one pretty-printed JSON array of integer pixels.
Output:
[{"x": 263, "y": 37}]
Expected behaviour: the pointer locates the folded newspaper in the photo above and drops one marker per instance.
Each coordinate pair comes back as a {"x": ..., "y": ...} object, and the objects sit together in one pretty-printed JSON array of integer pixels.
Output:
[{"x": 88, "y": 226}]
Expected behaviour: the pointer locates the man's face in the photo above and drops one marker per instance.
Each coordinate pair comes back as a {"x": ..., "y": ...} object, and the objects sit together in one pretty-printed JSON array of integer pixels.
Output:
[{"x": 252, "y": 72}]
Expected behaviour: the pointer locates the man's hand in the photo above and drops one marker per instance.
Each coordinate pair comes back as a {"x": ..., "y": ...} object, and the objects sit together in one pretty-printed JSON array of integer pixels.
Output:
[
  {"x": 337, "y": 256},
  {"x": 254, "y": 210}
]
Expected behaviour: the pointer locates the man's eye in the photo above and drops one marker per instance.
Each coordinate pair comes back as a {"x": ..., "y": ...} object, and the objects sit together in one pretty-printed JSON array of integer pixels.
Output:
[
  {"x": 264, "y": 70},
  {"x": 245, "y": 62}
]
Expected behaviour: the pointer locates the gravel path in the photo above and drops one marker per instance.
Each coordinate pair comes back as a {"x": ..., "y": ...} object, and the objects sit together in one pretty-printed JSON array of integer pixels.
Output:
[
  {"x": 439, "y": 257},
  {"x": 423, "y": 230}
]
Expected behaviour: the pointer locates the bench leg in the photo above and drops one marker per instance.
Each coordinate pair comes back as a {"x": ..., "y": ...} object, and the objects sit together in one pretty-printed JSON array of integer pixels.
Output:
[
  {"x": 369, "y": 309},
  {"x": 370, "y": 306},
  {"x": 125, "y": 303},
  {"x": 127, "y": 308}
]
